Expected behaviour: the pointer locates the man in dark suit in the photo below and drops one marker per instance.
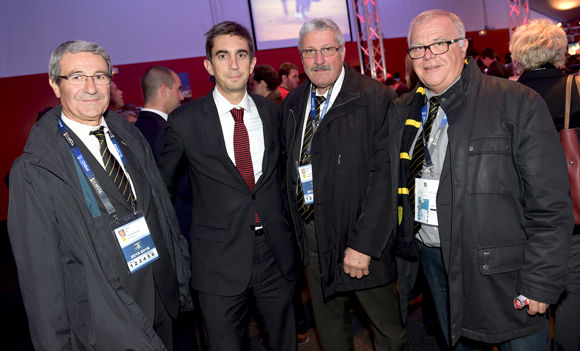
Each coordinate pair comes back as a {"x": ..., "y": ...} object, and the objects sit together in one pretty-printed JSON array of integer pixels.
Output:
[
  {"x": 162, "y": 94},
  {"x": 494, "y": 67},
  {"x": 101, "y": 262},
  {"x": 243, "y": 245}
]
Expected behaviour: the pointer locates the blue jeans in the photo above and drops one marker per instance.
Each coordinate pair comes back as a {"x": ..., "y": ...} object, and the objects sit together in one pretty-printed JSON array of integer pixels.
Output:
[{"x": 432, "y": 262}]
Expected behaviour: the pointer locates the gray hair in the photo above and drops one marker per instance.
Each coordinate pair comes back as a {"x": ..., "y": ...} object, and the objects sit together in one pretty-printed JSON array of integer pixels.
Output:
[
  {"x": 433, "y": 14},
  {"x": 74, "y": 47},
  {"x": 153, "y": 79},
  {"x": 318, "y": 25},
  {"x": 537, "y": 43}
]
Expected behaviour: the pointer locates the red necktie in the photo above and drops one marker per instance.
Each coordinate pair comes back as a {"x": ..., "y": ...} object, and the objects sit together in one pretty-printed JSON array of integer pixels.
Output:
[{"x": 242, "y": 150}]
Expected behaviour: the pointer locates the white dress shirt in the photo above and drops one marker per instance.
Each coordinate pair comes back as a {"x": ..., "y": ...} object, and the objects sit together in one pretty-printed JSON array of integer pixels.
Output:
[
  {"x": 162, "y": 114},
  {"x": 253, "y": 124},
  {"x": 82, "y": 131}
]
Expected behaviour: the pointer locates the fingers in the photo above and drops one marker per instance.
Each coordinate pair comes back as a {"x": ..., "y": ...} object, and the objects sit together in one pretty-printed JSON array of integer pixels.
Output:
[
  {"x": 355, "y": 272},
  {"x": 537, "y": 307}
]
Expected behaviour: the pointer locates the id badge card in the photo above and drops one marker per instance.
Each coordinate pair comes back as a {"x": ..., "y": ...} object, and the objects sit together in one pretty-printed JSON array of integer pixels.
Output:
[
  {"x": 305, "y": 173},
  {"x": 134, "y": 238},
  {"x": 425, "y": 201}
]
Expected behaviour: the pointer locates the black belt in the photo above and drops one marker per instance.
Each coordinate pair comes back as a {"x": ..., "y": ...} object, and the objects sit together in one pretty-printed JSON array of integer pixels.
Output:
[{"x": 259, "y": 232}]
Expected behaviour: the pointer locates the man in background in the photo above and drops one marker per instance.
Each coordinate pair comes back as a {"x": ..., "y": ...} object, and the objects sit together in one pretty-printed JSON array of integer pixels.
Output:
[
  {"x": 264, "y": 81},
  {"x": 289, "y": 78}
]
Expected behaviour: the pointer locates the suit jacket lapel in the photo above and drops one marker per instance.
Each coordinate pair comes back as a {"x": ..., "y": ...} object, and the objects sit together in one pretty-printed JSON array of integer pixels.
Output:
[
  {"x": 268, "y": 138},
  {"x": 212, "y": 129}
]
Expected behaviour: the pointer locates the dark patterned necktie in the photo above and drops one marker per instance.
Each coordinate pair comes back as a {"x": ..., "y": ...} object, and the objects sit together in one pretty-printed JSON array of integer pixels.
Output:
[
  {"x": 306, "y": 211},
  {"x": 112, "y": 167},
  {"x": 242, "y": 152},
  {"x": 419, "y": 152}
]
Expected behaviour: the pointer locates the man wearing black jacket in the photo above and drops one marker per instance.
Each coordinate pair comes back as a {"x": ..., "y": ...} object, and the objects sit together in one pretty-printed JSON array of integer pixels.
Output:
[{"x": 338, "y": 184}]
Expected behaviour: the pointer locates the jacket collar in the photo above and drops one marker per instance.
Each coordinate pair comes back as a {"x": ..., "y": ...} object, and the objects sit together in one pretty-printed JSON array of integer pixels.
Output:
[{"x": 541, "y": 73}]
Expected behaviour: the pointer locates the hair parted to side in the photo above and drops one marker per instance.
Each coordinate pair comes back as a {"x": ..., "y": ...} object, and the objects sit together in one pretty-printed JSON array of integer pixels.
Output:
[
  {"x": 267, "y": 74},
  {"x": 537, "y": 43},
  {"x": 227, "y": 28},
  {"x": 74, "y": 47},
  {"x": 318, "y": 25},
  {"x": 430, "y": 15},
  {"x": 285, "y": 69},
  {"x": 153, "y": 79}
]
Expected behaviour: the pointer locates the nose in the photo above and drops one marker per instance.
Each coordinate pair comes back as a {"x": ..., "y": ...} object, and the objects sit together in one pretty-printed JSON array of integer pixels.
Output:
[
  {"x": 234, "y": 63},
  {"x": 181, "y": 95},
  {"x": 319, "y": 58},
  {"x": 89, "y": 86},
  {"x": 428, "y": 54}
]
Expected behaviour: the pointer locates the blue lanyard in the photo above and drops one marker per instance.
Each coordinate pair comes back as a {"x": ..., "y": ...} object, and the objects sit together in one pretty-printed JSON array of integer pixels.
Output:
[
  {"x": 429, "y": 149},
  {"x": 313, "y": 107},
  {"x": 87, "y": 169}
]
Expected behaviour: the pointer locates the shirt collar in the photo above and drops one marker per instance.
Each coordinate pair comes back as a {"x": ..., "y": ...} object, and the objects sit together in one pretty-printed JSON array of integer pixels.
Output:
[
  {"x": 81, "y": 129},
  {"x": 224, "y": 106},
  {"x": 162, "y": 114}
]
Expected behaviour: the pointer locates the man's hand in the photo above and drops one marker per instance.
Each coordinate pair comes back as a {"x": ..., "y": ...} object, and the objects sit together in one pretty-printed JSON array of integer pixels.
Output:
[
  {"x": 537, "y": 307},
  {"x": 356, "y": 263}
]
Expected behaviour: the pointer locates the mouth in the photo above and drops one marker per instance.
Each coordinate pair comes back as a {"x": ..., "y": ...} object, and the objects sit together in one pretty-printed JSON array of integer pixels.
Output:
[{"x": 431, "y": 68}]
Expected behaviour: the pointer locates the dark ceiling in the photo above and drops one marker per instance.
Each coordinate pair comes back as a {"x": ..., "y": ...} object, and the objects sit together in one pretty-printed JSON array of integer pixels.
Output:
[{"x": 551, "y": 9}]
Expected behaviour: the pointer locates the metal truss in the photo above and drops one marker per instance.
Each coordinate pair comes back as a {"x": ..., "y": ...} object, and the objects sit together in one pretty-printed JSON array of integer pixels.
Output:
[
  {"x": 371, "y": 50},
  {"x": 519, "y": 14}
]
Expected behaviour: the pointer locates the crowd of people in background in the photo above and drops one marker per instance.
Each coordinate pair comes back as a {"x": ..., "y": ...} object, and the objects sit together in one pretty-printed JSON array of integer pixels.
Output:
[{"x": 273, "y": 183}]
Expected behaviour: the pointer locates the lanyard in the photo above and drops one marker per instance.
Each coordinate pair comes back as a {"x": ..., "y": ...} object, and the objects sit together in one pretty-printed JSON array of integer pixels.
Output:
[
  {"x": 428, "y": 149},
  {"x": 313, "y": 107},
  {"x": 313, "y": 115},
  {"x": 88, "y": 172}
]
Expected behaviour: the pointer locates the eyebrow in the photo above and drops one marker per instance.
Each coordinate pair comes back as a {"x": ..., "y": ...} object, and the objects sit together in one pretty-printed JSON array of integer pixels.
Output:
[
  {"x": 227, "y": 52},
  {"x": 79, "y": 71},
  {"x": 436, "y": 40}
]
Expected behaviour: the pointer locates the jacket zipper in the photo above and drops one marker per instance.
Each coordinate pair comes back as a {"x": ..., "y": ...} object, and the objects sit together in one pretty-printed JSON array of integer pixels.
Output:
[{"x": 288, "y": 162}]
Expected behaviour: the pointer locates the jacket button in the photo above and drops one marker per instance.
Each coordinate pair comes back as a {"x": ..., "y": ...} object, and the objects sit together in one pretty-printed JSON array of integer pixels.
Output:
[
  {"x": 443, "y": 100},
  {"x": 253, "y": 196},
  {"x": 507, "y": 148},
  {"x": 252, "y": 227},
  {"x": 485, "y": 267},
  {"x": 454, "y": 326},
  {"x": 471, "y": 148}
]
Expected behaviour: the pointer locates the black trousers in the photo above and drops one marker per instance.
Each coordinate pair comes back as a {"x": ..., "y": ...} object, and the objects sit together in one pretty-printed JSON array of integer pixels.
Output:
[{"x": 226, "y": 318}]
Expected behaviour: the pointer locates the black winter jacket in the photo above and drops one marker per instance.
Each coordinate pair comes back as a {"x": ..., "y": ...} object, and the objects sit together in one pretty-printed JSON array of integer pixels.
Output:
[
  {"x": 352, "y": 184},
  {"x": 504, "y": 209}
]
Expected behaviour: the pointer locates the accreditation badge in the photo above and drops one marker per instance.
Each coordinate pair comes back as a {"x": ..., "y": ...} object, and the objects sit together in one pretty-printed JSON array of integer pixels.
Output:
[
  {"x": 134, "y": 238},
  {"x": 425, "y": 201},
  {"x": 305, "y": 173}
]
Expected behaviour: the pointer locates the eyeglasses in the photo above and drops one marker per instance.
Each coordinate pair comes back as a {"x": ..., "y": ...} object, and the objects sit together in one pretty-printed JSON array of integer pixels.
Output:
[
  {"x": 437, "y": 48},
  {"x": 81, "y": 79},
  {"x": 326, "y": 52}
]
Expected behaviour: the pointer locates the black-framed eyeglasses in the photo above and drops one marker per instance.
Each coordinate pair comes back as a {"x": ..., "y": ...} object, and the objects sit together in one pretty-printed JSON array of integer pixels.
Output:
[
  {"x": 81, "y": 79},
  {"x": 437, "y": 48},
  {"x": 326, "y": 52}
]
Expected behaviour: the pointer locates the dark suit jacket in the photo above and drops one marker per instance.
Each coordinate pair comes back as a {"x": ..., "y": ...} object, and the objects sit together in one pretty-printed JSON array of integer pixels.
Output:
[
  {"x": 222, "y": 233},
  {"x": 498, "y": 70},
  {"x": 152, "y": 126}
]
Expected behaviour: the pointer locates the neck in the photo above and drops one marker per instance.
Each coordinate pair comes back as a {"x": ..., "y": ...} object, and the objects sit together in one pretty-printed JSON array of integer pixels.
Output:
[
  {"x": 284, "y": 86},
  {"x": 234, "y": 98},
  {"x": 155, "y": 107}
]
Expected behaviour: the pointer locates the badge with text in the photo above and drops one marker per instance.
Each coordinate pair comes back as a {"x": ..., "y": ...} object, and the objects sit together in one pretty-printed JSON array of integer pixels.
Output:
[
  {"x": 305, "y": 173},
  {"x": 425, "y": 201},
  {"x": 134, "y": 238}
]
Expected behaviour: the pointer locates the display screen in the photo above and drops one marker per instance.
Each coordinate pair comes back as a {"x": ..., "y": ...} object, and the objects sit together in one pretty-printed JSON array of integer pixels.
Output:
[{"x": 278, "y": 22}]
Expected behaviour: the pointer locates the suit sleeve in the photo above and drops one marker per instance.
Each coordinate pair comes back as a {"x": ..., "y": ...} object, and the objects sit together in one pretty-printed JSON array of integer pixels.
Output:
[
  {"x": 172, "y": 153},
  {"x": 34, "y": 236},
  {"x": 547, "y": 206},
  {"x": 374, "y": 225}
]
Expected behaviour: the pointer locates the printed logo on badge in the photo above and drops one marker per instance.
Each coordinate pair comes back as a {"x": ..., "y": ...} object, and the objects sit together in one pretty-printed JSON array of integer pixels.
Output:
[{"x": 137, "y": 246}]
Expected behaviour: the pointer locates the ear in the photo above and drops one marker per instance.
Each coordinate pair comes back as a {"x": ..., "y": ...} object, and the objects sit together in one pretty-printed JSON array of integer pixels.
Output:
[
  {"x": 464, "y": 48},
  {"x": 208, "y": 66},
  {"x": 284, "y": 79},
  {"x": 343, "y": 54},
  {"x": 263, "y": 84},
  {"x": 54, "y": 87},
  {"x": 163, "y": 90},
  {"x": 252, "y": 65}
]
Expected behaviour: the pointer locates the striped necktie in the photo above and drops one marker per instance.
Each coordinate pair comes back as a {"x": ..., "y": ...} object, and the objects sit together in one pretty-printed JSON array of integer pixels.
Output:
[
  {"x": 112, "y": 167},
  {"x": 306, "y": 211},
  {"x": 419, "y": 152},
  {"x": 242, "y": 152}
]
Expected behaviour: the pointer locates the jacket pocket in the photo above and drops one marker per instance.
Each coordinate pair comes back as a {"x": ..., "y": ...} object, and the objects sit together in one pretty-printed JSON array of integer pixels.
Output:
[
  {"x": 501, "y": 258},
  {"x": 208, "y": 233},
  {"x": 490, "y": 168}
]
